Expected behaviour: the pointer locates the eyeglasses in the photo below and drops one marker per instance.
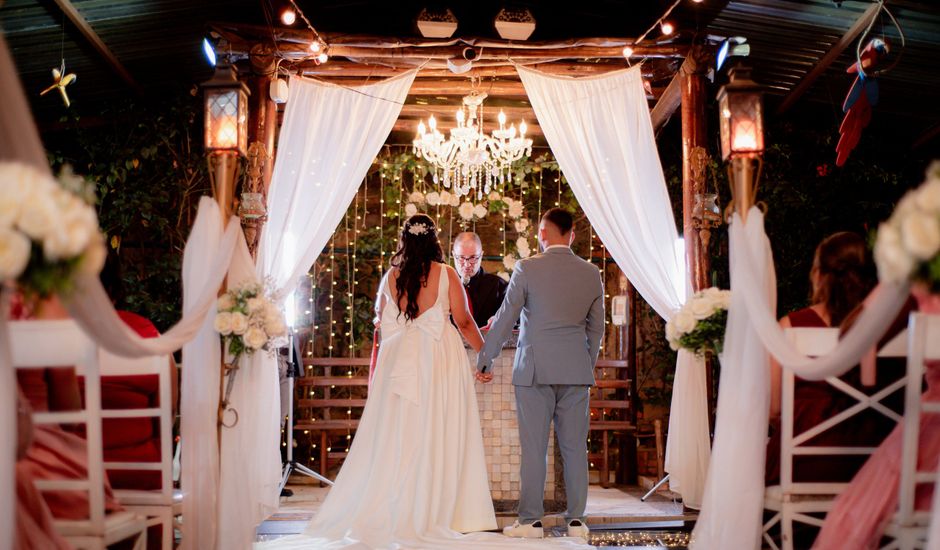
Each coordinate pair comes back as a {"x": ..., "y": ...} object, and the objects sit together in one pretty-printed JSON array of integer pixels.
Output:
[{"x": 468, "y": 259}]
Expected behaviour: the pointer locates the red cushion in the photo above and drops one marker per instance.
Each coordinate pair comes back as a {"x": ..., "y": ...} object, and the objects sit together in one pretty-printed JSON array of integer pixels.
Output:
[{"x": 144, "y": 480}]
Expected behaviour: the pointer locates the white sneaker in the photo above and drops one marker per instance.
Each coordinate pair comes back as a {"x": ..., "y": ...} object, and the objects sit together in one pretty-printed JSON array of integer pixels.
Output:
[
  {"x": 528, "y": 531},
  {"x": 577, "y": 528}
]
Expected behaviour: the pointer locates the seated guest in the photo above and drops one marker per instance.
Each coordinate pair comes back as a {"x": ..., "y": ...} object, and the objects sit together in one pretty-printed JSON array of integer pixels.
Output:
[
  {"x": 484, "y": 290},
  {"x": 842, "y": 276}
]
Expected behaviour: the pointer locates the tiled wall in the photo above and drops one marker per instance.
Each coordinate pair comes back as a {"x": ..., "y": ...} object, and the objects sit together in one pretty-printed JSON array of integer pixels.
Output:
[{"x": 497, "y": 404}]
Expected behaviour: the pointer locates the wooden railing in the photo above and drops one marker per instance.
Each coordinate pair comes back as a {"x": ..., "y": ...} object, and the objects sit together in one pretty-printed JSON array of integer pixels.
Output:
[{"x": 613, "y": 413}]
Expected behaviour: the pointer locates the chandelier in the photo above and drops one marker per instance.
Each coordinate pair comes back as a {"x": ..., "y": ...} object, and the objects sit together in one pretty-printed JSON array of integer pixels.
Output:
[{"x": 470, "y": 160}]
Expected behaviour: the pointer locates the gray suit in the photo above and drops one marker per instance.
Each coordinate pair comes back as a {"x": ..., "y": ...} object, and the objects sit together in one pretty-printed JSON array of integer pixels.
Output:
[{"x": 560, "y": 298}]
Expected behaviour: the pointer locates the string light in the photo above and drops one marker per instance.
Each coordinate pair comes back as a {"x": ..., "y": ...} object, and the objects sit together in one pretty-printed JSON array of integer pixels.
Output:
[
  {"x": 667, "y": 28},
  {"x": 332, "y": 327},
  {"x": 317, "y": 44},
  {"x": 288, "y": 17},
  {"x": 628, "y": 52}
]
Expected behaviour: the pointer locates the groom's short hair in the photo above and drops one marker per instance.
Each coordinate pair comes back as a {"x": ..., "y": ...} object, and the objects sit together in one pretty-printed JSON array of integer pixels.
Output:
[{"x": 560, "y": 218}]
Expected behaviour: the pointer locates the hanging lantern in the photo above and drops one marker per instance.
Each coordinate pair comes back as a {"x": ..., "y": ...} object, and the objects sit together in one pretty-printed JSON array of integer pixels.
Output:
[
  {"x": 741, "y": 116},
  {"x": 226, "y": 117}
]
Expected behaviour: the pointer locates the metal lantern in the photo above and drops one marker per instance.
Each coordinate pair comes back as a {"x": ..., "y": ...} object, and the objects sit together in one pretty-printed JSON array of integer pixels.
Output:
[
  {"x": 226, "y": 102},
  {"x": 741, "y": 116}
]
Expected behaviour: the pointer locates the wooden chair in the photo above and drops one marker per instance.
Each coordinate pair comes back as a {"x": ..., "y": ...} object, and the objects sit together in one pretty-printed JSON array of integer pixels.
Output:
[
  {"x": 322, "y": 413},
  {"x": 620, "y": 422},
  {"x": 41, "y": 344},
  {"x": 908, "y": 527},
  {"x": 162, "y": 506},
  {"x": 795, "y": 502}
]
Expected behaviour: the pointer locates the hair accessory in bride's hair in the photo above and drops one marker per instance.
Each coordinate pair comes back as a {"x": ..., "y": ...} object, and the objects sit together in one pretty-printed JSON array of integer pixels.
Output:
[{"x": 418, "y": 229}]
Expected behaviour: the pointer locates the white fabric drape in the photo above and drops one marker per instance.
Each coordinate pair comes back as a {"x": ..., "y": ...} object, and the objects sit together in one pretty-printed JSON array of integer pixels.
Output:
[
  {"x": 734, "y": 492},
  {"x": 328, "y": 140},
  {"x": 600, "y": 131}
]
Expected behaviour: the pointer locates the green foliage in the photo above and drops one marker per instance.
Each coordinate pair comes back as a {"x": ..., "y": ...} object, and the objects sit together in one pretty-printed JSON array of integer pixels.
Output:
[
  {"x": 147, "y": 162},
  {"x": 708, "y": 335}
]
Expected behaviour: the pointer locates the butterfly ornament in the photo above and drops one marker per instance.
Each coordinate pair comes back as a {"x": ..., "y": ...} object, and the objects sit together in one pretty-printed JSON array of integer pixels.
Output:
[{"x": 60, "y": 81}]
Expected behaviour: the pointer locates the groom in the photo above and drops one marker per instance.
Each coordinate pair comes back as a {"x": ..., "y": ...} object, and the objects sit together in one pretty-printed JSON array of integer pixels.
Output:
[{"x": 561, "y": 301}]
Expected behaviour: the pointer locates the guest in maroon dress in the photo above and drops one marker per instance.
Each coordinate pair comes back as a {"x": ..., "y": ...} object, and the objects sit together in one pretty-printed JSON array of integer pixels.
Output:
[{"x": 842, "y": 276}]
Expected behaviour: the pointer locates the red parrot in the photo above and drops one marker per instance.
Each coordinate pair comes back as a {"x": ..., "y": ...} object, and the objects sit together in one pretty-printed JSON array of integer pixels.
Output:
[{"x": 863, "y": 95}]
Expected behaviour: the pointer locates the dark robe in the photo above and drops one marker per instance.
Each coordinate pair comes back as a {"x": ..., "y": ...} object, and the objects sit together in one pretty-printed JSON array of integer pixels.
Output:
[{"x": 485, "y": 292}]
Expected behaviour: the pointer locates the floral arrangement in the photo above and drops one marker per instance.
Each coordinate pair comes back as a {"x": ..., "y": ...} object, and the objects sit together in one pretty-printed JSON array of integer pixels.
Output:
[
  {"x": 907, "y": 245},
  {"x": 699, "y": 326},
  {"x": 48, "y": 232},
  {"x": 247, "y": 320}
]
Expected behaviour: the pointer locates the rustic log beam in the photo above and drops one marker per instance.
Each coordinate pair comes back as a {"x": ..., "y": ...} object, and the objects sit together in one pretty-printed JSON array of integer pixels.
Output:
[
  {"x": 89, "y": 33},
  {"x": 833, "y": 54},
  {"x": 513, "y": 114},
  {"x": 481, "y": 70},
  {"x": 460, "y": 87},
  {"x": 484, "y": 54},
  {"x": 671, "y": 97}
]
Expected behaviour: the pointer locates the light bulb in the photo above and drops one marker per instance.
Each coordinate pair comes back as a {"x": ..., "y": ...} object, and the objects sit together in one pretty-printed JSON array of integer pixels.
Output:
[
  {"x": 288, "y": 16},
  {"x": 667, "y": 27},
  {"x": 315, "y": 46},
  {"x": 522, "y": 128},
  {"x": 501, "y": 118},
  {"x": 432, "y": 123},
  {"x": 421, "y": 129},
  {"x": 323, "y": 58},
  {"x": 628, "y": 51}
]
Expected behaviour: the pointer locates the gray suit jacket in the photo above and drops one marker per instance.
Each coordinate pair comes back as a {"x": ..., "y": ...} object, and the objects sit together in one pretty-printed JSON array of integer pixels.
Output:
[{"x": 560, "y": 298}]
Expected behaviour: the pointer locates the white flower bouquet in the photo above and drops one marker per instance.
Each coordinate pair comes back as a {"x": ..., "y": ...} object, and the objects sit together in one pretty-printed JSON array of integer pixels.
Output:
[
  {"x": 907, "y": 246},
  {"x": 48, "y": 233},
  {"x": 247, "y": 320},
  {"x": 699, "y": 326}
]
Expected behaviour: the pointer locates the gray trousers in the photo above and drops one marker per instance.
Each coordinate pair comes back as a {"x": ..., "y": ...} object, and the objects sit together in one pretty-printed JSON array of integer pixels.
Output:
[{"x": 536, "y": 407}]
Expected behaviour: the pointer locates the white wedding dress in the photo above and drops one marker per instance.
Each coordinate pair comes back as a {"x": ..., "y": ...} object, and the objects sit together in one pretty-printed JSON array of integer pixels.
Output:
[{"x": 415, "y": 476}]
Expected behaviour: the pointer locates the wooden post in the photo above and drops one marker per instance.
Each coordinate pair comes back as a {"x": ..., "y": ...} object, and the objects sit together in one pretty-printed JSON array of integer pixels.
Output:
[{"x": 693, "y": 136}]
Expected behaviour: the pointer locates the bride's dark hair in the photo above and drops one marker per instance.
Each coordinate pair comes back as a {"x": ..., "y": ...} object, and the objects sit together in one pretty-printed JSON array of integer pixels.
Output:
[{"x": 417, "y": 248}]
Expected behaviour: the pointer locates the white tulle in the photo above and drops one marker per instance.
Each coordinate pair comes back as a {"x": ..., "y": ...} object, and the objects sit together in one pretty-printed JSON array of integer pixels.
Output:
[
  {"x": 734, "y": 491},
  {"x": 600, "y": 131}
]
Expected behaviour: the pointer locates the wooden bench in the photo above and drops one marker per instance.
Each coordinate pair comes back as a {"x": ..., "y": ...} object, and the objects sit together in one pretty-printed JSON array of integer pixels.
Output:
[
  {"x": 322, "y": 412},
  {"x": 619, "y": 421}
]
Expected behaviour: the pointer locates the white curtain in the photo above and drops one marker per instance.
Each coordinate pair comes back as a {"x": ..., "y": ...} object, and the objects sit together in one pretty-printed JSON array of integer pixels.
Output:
[
  {"x": 600, "y": 131},
  {"x": 734, "y": 492},
  {"x": 328, "y": 140}
]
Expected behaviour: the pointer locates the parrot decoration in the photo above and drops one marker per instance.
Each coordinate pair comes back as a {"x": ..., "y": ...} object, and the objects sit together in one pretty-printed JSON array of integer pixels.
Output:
[
  {"x": 862, "y": 96},
  {"x": 59, "y": 81}
]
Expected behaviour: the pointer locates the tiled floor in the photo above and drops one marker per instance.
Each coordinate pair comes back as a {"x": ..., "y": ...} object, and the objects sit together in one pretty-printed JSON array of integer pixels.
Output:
[{"x": 616, "y": 516}]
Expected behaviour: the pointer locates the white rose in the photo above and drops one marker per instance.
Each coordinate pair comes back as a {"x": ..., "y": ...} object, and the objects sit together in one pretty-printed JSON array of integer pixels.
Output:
[
  {"x": 255, "y": 305},
  {"x": 921, "y": 235},
  {"x": 503, "y": 275},
  {"x": 894, "y": 263},
  {"x": 905, "y": 206},
  {"x": 684, "y": 322},
  {"x": 255, "y": 338},
  {"x": 466, "y": 211},
  {"x": 416, "y": 197},
  {"x": 509, "y": 262},
  {"x": 928, "y": 197},
  {"x": 225, "y": 302},
  {"x": 479, "y": 211},
  {"x": 702, "y": 307},
  {"x": 38, "y": 214},
  {"x": 12, "y": 194},
  {"x": 515, "y": 209},
  {"x": 223, "y": 323},
  {"x": 410, "y": 210},
  {"x": 433, "y": 198},
  {"x": 274, "y": 327},
  {"x": 493, "y": 196},
  {"x": 14, "y": 253},
  {"x": 445, "y": 198},
  {"x": 671, "y": 334},
  {"x": 239, "y": 323},
  {"x": 521, "y": 225},
  {"x": 454, "y": 199}
]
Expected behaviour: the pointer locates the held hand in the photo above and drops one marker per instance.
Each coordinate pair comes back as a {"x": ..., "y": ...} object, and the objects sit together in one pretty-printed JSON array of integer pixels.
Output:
[{"x": 483, "y": 377}]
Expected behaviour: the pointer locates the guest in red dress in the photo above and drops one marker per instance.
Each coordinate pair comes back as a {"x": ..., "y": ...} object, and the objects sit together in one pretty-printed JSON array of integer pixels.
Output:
[{"x": 842, "y": 276}]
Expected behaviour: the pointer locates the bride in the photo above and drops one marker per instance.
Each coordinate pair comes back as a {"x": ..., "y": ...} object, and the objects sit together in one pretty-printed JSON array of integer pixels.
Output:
[{"x": 415, "y": 476}]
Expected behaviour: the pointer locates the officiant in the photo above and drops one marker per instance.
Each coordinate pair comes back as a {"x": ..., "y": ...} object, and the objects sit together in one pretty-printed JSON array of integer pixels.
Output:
[{"x": 485, "y": 291}]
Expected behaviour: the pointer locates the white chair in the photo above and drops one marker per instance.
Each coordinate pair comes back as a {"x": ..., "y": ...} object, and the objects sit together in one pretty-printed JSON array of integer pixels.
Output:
[
  {"x": 40, "y": 344},
  {"x": 162, "y": 506},
  {"x": 908, "y": 527},
  {"x": 795, "y": 502}
]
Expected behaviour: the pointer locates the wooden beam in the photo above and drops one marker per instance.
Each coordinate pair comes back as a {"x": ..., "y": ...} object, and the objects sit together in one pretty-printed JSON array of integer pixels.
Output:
[
  {"x": 672, "y": 96},
  {"x": 89, "y": 33},
  {"x": 344, "y": 69},
  {"x": 291, "y": 50},
  {"x": 833, "y": 54},
  {"x": 513, "y": 114}
]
